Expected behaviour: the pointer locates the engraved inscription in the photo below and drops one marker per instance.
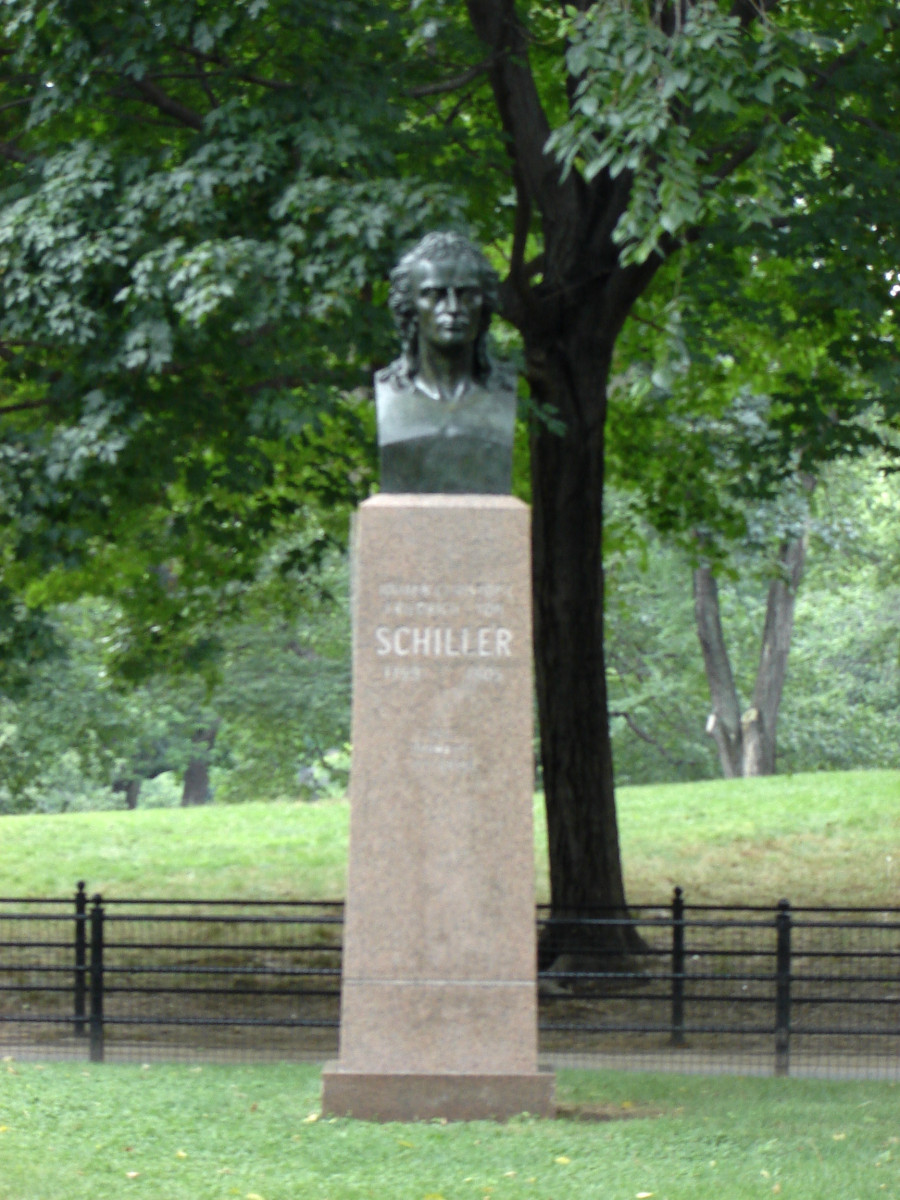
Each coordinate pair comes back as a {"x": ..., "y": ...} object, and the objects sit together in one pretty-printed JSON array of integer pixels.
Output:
[
  {"x": 423, "y": 626},
  {"x": 404, "y": 673},
  {"x": 433, "y": 602},
  {"x": 483, "y": 675},
  {"x": 445, "y": 754},
  {"x": 443, "y": 641}
]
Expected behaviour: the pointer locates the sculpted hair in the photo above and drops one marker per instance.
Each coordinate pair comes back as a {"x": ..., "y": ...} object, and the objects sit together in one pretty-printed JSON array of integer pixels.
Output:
[{"x": 434, "y": 248}]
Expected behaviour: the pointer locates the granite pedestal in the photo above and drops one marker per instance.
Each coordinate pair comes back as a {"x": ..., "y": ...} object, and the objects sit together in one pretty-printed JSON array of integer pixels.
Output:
[{"x": 439, "y": 998}]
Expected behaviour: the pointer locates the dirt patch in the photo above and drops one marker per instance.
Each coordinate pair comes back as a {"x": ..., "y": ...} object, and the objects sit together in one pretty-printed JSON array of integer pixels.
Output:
[{"x": 600, "y": 1113}]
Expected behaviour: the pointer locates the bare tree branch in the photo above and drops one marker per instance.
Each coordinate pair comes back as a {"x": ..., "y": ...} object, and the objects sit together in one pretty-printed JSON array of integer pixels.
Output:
[{"x": 651, "y": 741}]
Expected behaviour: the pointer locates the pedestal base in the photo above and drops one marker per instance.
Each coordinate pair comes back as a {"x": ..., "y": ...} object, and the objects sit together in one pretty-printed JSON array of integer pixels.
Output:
[
  {"x": 454, "y": 1097},
  {"x": 439, "y": 994}
]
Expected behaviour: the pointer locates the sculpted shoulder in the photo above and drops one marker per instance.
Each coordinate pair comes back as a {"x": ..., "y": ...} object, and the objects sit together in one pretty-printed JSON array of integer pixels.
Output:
[{"x": 394, "y": 376}]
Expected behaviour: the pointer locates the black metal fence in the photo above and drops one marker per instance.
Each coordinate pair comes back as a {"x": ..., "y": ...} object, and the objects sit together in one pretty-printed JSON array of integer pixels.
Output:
[
  {"x": 703, "y": 987},
  {"x": 169, "y": 977},
  {"x": 819, "y": 988}
]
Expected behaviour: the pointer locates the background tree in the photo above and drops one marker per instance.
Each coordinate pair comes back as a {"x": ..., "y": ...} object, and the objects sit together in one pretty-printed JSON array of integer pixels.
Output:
[
  {"x": 839, "y": 710},
  {"x": 76, "y": 735}
]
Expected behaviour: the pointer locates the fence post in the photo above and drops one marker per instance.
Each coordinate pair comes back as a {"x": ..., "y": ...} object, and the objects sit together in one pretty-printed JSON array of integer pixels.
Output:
[
  {"x": 80, "y": 959},
  {"x": 783, "y": 989},
  {"x": 97, "y": 980},
  {"x": 678, "y": 968}
]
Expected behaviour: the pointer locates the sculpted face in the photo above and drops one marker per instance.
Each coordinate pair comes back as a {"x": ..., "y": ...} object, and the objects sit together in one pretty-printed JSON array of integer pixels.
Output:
[{"x": 449, "y": 303}]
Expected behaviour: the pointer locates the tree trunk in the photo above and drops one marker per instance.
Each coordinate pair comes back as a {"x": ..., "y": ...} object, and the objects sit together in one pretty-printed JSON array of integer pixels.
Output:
[
  {"x": 747, "y": 743},
  {"x": 132, "y": 789},
  {"x": 196, "y": 788},
  {"x": 724, "y": 724},
  {"x": 570, "y": 372},
  {"x": 760, "y": 722},
  {"x": 569, "y": 321}
]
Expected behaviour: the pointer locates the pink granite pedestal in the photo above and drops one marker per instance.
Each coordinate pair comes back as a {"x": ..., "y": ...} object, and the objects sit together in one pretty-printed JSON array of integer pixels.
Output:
[{"x": 439, "y": 998}]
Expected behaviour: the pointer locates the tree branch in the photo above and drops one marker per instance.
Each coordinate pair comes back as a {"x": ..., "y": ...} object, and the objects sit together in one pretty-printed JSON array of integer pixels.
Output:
[
  {"x": 725, "y": 728},
  {"x": 9, "y": 151},
  {"x": 519, "y": 106},
  {"x": 276, "y": 85},
  {"x": 454, "y": 83},
  {"x": 137, "y": 118},
  {"x": 516, "y": 291},
  {"x": 277, "y": 381},
  {"x": 172, "y": 108},
  {"x": 651, "y": 741},
  {"x": 24, "y": 405},
  {"x": 748, "y": 11},
  {"x": 521, "y": 228},
  {"x": 220, "y": 60}
]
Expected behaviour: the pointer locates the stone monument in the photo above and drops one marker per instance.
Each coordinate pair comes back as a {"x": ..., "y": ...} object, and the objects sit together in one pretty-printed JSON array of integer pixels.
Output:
[{"x": 439, "y": 997}]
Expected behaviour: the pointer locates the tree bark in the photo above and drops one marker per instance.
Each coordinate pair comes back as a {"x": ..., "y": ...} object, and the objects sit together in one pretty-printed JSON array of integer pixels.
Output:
[
  {"x": 569, "y": 323},
  {"x": 760, "y": 722},
  {"x": 747, "y": 743},
  {"x": 196, "y": 788},
  {"x": 570, "y": 371},
  {"x": 132, "y": 789},
  {"x": 724, "y": 722}
]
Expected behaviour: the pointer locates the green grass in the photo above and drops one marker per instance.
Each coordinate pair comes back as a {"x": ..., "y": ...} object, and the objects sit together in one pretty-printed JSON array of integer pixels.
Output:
[
  {"x": 245, "y": 850},
  {"x": 72, "y": 1132},
  {"x": 817, "y": 839},
  {"x": 830, "y": 838}
]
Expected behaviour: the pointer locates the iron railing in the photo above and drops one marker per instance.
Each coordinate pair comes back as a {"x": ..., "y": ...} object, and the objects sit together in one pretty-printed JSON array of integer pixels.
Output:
[{"x": 87, "y": 974}]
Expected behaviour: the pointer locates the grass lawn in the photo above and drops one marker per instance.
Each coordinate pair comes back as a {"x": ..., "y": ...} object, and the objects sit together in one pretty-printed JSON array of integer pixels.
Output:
[
  {"x": 816, "y": 839},
  {"x": 73, "y": 1132}
]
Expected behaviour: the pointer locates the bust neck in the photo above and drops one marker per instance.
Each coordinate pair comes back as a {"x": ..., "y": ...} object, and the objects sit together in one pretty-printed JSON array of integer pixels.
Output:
[{"x": 445, "y": 374}]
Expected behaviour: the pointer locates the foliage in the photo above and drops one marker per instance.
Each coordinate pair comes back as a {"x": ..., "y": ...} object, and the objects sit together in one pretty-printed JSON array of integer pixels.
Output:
[
  {"x": 845, "y": 691},
  {"x": 657, "y": 692},
  {"x": 282, "y": 686},
  {"x": 279, "y": 699},
  {"x": 768, "y": 346},
  {"x": 194, "y": 205},
  {"x": 194, "y": 202},
  {"x": 659, "y": 100},
  {"x": 195, "y": 180},
  {"x": 284, "y": 695}
]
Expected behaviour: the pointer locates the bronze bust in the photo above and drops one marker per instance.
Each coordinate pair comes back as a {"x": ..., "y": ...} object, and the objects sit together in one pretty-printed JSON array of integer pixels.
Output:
[{"x": 446, "y": 413}]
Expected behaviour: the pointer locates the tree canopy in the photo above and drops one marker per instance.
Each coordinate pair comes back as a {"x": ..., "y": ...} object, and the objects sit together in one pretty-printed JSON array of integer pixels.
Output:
[
  {"x": 695, "y": 210},
  {"x": 195, "y": 207}
]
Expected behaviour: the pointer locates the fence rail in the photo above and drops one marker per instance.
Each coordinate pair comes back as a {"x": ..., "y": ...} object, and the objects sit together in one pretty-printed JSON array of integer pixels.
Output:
[{"x": 91, "y": 973}]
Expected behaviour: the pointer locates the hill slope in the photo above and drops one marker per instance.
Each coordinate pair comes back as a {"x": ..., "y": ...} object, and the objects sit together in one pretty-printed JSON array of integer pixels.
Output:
[{"x": 816, "y": 839}]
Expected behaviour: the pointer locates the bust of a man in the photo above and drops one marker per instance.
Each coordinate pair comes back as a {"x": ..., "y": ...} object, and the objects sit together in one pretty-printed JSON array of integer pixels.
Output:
[{"x": 446, "y": 413}]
